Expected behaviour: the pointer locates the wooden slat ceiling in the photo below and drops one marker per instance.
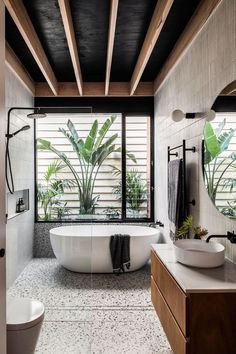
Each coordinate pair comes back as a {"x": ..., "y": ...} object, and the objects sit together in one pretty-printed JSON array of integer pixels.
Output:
[{"x": 101, "y": 47}]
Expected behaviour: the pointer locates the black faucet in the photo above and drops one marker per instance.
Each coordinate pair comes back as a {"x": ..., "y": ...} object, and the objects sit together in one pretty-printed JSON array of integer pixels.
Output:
[
  {"x": 231, "y": 236},
  {"x": 157, "y": 223}
]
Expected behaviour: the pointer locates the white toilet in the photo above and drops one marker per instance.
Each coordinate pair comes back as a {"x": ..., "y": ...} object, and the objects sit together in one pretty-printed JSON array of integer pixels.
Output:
[{"x": 24, "y": 321}]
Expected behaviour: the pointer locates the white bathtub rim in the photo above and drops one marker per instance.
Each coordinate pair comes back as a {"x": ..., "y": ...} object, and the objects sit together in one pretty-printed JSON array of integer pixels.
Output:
[{"x": 92, "y": 230}]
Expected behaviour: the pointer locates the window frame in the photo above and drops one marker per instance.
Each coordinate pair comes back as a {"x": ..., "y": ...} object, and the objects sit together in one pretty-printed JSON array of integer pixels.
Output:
[{"x": 123, "y": 218}]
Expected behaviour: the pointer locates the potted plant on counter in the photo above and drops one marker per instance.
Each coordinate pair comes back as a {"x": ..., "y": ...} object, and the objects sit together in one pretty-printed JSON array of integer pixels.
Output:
[{"x": 187, "y": 229}]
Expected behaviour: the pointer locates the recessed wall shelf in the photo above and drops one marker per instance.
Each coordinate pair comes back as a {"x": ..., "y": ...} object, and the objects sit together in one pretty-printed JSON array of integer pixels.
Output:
[{"x": 12, "y": 200}]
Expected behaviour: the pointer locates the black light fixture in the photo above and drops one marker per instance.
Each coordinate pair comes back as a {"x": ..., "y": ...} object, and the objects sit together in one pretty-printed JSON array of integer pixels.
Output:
[{"x": 178, "y": 115}]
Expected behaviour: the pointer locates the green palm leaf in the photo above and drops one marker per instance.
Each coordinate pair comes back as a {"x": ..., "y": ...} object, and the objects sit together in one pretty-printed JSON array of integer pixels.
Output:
[
  {"x": 90, "y": 140},
  {"x": 73, "y": 131},
  {"x": 103, "y": 131},
  {"x": 96, "y": 155},
  {"x": 211, "y": 142},
  {"x": 53, "y": 169},
  {"x": 224, "y": 139}
]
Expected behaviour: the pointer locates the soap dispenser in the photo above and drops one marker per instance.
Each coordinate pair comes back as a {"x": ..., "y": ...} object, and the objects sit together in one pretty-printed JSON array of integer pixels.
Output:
[
  {"x": 22, "y": 205},
  {"x": 18, "y": 206}
]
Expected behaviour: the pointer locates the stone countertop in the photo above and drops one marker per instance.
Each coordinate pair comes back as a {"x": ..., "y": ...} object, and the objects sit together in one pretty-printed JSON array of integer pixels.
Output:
[{"x": 196, "y": 280}]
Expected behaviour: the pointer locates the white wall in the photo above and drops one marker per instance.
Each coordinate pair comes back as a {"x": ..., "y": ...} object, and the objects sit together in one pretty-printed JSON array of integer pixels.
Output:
[
  {"x": 2, "y": 184},
  {"x": 19, "y": 236},
  {"x": 204, "y": 70}
]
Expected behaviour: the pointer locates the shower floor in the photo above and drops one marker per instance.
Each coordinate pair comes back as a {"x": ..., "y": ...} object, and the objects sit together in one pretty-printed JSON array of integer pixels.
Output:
[{"x": 98, "y": 313}]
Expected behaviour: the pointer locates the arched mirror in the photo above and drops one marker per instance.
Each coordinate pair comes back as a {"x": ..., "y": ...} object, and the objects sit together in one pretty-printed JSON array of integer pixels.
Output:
[{"x": 219, "y": 153}]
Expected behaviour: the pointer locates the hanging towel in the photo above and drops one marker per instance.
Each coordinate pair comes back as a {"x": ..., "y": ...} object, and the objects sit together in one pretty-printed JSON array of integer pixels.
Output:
[
  {"x": 120, "y": 252},
  {"x": 176, "y": 207}
]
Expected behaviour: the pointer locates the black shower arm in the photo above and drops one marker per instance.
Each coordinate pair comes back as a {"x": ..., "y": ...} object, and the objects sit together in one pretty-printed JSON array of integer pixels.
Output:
[
  {"x": 32, "y": 109},
  {"x": 8, "y": 135}
]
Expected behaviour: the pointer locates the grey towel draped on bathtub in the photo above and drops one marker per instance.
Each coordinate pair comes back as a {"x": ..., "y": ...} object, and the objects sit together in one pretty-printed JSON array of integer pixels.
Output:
[
  {"x": 176, "y": 207},
  {"x": 120, "y": 252}
]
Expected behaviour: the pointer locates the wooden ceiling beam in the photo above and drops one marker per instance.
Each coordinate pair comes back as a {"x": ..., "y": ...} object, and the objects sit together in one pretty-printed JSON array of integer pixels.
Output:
[
  {"x": 22, "y": 20},
  {"x": 19, "y": 70},
  {"x": 195, "y": 24},
  {"x": 94, "y": 89},
  {"x": 157, "y": 22},
  {"x": 70, "y": 36},
  {"x": 111, "y": 37},
  {"x": 229, "y": 90}
]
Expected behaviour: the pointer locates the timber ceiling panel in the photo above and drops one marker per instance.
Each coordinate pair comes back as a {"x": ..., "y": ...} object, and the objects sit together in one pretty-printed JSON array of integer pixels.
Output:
[
  {"x": 177, "y": 19},
  {"x": 91, "y": 23},
  {"x": 17, "y": 43},
  {"x": 133, "y": 19},
  {"x": 46, "y": 18}
]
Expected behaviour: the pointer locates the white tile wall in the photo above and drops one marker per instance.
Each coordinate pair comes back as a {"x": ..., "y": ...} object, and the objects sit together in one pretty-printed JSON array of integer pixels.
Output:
[
  {"x": 19, "y": 237},
  {"x": 206, "y": 68}
]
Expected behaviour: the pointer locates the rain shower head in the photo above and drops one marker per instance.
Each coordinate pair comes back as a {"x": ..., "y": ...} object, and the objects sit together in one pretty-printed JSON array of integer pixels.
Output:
[
  {"x": 37, "y": 114},
  {"x": 25, "y": 127}
]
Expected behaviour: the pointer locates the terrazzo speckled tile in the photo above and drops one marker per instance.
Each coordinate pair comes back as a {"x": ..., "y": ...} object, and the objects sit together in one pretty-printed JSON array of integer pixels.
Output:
[
  {"x": 65, "y": 338},
  {"x": 64, "y": 288},
  {"x": 101, "y": 314},
  {"x": 128, "y": 338},
  {"x": 98, "y": 313}
]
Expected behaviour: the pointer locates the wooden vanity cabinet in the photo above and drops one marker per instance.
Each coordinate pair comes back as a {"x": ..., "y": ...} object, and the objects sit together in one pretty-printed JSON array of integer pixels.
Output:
[{"x": 194, "y": 323}]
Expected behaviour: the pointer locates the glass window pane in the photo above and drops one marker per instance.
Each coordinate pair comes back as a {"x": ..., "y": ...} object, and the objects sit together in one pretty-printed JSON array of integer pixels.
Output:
[
  {"x": 138, "y": 163},
  {"x": 76, "y": 175}
]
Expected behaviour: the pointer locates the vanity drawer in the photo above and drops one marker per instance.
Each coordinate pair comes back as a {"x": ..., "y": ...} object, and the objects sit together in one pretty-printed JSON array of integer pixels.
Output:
[
  {"x": 175, "y": 337},
  {"x": 172, "y": 293}
]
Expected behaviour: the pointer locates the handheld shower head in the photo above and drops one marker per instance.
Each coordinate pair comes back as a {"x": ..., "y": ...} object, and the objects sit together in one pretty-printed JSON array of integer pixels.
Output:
[
  {"x": 25, "y": 127},
  {"x": 37, "y": 114}
]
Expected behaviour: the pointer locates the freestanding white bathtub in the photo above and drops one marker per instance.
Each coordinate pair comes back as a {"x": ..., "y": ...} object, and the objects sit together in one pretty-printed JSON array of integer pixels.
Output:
[{"x": 85, "y": 248}]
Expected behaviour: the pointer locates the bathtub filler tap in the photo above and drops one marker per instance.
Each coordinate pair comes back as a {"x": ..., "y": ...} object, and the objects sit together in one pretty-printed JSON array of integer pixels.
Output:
[{"x": 157, "y": 223}]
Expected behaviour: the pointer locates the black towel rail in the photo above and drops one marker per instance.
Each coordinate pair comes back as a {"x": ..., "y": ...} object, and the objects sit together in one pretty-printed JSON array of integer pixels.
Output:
[{"x": 176, "y": 154}]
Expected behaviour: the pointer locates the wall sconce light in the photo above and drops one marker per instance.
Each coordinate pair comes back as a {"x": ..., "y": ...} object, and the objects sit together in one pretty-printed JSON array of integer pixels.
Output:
[{"x": 178, "y": 115}]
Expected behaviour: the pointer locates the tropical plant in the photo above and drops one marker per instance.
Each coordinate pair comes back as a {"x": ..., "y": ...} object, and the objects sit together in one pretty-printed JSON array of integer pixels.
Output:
[
  {"x": 91, "y": 154},
  {"x": 216, "y": 164},
  {"x": 187, "y": 227},
  {"x": 112, "y": 213},
  {"x": 49, "y": 194},
  {"x": 62, "y": 211},
  {"x": 230, "y": 210},
  {"x": 136, "y": 189}
]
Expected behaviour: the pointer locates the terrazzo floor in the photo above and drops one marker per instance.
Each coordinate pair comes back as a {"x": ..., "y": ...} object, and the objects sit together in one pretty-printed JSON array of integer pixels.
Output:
[{"x": 97, "y": 313}]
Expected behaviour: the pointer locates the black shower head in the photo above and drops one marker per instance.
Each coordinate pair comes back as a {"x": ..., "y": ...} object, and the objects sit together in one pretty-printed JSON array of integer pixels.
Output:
[
  {"x": 37, "y": 114},
  {"x": 25, "y": 127}
]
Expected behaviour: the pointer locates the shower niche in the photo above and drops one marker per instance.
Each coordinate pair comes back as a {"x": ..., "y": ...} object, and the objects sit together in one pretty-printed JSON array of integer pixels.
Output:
[{"x": 21, "y": 196}]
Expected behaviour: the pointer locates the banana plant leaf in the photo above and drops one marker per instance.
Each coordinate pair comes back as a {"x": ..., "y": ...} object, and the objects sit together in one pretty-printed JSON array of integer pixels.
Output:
[
  {"x": 212, "y": 145},
  {"x": 216, "y": 165}
]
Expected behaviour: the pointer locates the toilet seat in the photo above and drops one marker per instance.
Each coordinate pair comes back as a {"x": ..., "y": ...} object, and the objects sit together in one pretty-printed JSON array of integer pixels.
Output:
[{"x": 23, "y": 313}]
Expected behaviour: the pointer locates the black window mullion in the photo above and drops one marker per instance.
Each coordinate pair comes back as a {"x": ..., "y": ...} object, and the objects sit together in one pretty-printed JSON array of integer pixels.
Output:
[{"x": 123, "y": 166}]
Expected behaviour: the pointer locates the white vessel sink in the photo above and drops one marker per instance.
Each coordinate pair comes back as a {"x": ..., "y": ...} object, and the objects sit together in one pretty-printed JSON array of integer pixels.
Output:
[{"x": 197, "y": 253}]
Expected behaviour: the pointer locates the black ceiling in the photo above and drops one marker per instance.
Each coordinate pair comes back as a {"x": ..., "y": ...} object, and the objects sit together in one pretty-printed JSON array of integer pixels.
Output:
[{"x": 91, "y": 22}]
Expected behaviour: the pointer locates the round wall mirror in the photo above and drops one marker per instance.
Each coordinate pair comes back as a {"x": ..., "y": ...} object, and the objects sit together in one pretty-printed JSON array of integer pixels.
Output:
[{"x": 219, "y": 153}]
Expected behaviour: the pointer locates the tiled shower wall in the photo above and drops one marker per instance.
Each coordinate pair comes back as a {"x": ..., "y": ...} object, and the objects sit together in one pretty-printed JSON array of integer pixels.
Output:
[
  {"x": 208, "y": 65},
  {"x": 19, "y": 230}
]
